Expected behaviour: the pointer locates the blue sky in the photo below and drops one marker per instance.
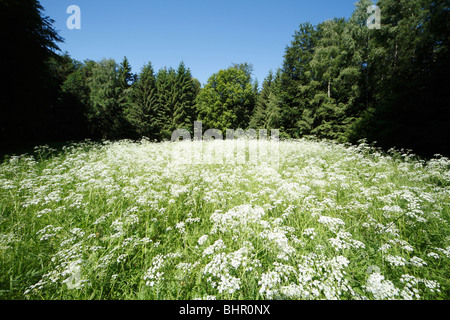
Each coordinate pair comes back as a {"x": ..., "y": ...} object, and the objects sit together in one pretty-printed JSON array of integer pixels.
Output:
[{"x": 206, "y": 35}]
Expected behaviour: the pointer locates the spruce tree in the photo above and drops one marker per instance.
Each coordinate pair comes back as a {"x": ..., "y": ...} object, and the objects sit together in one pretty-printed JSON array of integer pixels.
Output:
[
  {"x": 296, "y": 66},
  {"x": 167, "y": 96},
  {"x": 335, "y": 73},
  {"x": 185, "y": 92},
  {"x": 259, "y": 118},
  {"x": 275, "y": 105},
  {"x": 142, "y": 112},
  {"x": 126, "y": 77}
]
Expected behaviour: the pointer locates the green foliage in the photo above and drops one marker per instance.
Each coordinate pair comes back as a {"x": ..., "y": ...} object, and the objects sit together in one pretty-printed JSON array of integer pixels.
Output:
[
  {"x": 106, "y": 109},
  {"x": 407, "y": 81},
  {"x": 227, "y": 100},
  {"x": 73, "y": 98},
  {"x": 260, "y": 116},
  {"x": 342, "y": 80},
  {"x": 295, "y": 73},
  {"x": 126, "y": 77},
  {"x": 267, "y": 113},
  {"x": 186, "y": 90},
  {"x": 142, "y": 112},
  {"x": 336, "y": 71},
  {"x": 163, "y": 102},
  {"x": 165, "y": 82}
]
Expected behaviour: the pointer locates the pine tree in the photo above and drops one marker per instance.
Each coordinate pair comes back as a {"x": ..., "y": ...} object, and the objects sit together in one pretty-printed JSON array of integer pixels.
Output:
[
  {"x": 167, "y": 96},
  {"x": 126, "y": 77},
  {"x": 186, "y": 92},
  {"x": 259, "y": 118},
  {"x": 267, "y": 113},
  {"x": 275, "y": 106},
  {"x": 363, "y": 102},
  {"x": 335, "y": 72},
  {"x": 295, "y": 73},
  {"x": 142, "y": 112}
]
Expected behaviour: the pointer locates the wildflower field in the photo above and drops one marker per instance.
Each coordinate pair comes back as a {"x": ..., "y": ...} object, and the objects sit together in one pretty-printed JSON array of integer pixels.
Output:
[{"x": 120, "y": 220}]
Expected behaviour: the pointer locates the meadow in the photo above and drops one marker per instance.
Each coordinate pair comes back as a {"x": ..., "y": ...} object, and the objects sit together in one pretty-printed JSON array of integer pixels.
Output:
[{"x": 120, "y": 220}]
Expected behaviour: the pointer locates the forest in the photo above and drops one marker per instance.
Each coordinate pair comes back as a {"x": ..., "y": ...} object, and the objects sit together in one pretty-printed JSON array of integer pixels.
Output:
[
  {"x": 338, "y": 80},
  {"x": 99, "y": 205}
]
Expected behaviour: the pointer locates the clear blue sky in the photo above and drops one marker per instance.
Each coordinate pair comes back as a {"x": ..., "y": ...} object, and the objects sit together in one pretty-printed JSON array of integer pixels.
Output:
[{"x": 208, "y": 35}]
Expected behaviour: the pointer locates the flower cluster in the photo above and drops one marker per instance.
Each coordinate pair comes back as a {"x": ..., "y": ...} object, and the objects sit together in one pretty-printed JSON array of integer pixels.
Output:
[{"x": 120, "y": 219}]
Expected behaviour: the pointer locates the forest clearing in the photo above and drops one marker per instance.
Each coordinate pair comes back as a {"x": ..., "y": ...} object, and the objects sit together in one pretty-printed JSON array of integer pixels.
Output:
[{"x": 119, "y": 220}]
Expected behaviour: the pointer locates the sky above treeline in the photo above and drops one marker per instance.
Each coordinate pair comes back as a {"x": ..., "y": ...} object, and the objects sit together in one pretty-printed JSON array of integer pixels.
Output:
[{"x": 206, "y": 35}]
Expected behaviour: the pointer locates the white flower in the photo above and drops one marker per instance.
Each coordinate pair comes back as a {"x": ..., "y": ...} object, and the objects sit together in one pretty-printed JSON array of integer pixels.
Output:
[
  {"x": 418, "y": 262},
  {"x": 217, "y": 246},
  {"x": 344, "y": 240},
  {"x": 202, "y": 239},
  {"x": 181, "y": 227},
  {"x": 268, "y": 282},
  {"x": 153, "y": 275},
  {"x": 384, "y": 248},
  {"x": 236, "y": 219},
  {"x": 78, "y": 232},
  {"x": 121, "y": 258},
  {"x": 228, "y": 284},
  {"x": 433, "y": 255},
  {"x": 48, "y": 232},
  {"x": 381, "y": 288},
  {"x": 395, "y": 260},
  {"x": 332, "y": 223},
  {"x": 281, "y": 242},
  {"x": 410, "y": 290},
  {"x": 445, "y": 251}
]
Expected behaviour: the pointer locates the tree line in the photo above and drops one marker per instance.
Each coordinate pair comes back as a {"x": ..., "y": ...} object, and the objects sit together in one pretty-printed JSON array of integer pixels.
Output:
[
  {"x": 339, "y": 80},
  {"x": 115, "y": 103}
]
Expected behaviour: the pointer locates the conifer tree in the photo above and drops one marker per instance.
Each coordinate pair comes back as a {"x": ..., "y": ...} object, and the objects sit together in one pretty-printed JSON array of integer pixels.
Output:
[
  {"x": 296, "y": 66},
  {"x": 185, "y": 91},
  {"x": 259, "y": 118},
  {"x": 126, "y": 77},
  {"x": 142, "y": 112},
  {"x": 167, "y": 96},
  {"x": 275, "y": 105}
]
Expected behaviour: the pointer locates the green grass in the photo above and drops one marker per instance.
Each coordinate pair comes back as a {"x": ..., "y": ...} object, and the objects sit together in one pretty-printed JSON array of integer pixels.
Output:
[{"x": 122, "y": 221}]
